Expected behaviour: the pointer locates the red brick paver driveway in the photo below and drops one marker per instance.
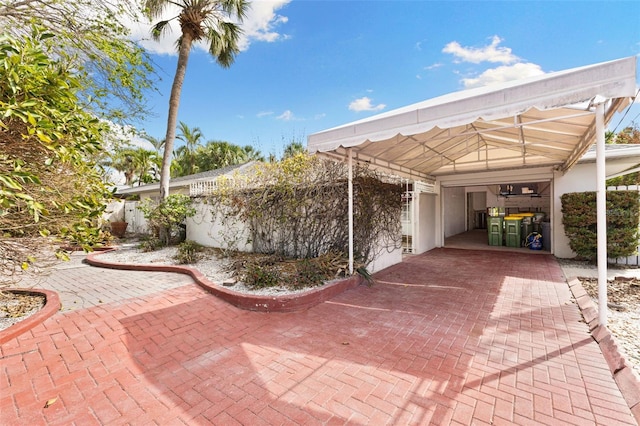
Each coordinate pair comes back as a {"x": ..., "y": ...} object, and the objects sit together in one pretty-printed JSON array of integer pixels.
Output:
[{"x": 449, "y": 337}]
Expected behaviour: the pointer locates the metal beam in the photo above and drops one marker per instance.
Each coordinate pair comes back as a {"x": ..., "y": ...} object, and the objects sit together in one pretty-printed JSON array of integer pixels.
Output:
[{"x": 601, "y": 207}]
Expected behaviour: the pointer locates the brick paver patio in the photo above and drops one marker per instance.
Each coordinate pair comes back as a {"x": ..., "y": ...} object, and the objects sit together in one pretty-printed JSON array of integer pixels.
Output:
[{"x": 448, "y": 337}]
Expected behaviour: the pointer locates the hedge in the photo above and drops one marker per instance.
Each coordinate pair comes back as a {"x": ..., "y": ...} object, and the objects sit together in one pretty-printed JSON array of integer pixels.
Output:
[{"x": 580, "y": 223}]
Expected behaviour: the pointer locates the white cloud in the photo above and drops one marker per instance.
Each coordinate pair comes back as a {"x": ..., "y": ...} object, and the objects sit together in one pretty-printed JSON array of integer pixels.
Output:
[
  {"x": 262, "y": 21},
  {"x": 434, "y": 66},
  {"x": 491, "y": 53},
  {"x": 502, "y": 74},
  {"x": 260, "y": 24},
  {"x": 512, "y": 68},
  {"x": 286, "y": 116},
  {"x": 264, "y": 114},
  {"x": 364, "y": 104}
]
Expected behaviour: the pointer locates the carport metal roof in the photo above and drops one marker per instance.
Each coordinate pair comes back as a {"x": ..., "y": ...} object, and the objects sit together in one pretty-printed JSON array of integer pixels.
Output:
[{"x": 547, "y": 120}]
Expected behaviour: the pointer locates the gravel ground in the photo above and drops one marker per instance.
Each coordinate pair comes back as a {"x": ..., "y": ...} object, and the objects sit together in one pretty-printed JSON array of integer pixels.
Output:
[
  {"x": 215, "y": 268},
  {"x": 15, "y": 308},
  {"x": 623, "y": 316},
  {"x": 623, "y": 296}
]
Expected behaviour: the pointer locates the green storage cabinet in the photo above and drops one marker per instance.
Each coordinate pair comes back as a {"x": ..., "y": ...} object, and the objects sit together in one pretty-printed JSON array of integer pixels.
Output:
[
  {"x": 494, "y": 230},
  {"x": 512, "y": 231}
]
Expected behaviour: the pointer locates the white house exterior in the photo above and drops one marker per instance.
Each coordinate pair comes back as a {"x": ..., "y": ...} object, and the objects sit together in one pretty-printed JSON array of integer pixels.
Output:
[
  {"x": 529, "y": 130},
  {"x": 127, "y": 209}
]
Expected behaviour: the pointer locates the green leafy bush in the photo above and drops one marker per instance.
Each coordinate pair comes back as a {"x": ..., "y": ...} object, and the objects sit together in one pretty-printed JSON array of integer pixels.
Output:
[
  {"x": 261, "y": 276},
  {"x": 580, "y": 223},
  {"x": 309, "y": 273},
  {"x": 188, "y": 252},
  {"x": 166, "y": 217},
  {"x": 150, "y": 243}
]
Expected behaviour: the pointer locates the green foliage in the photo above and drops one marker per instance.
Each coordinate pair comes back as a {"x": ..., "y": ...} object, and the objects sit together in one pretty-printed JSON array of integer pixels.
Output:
[
  {"x": 309, "y": 273},
  {"x": 580, "y": 223},
  {"x": 188, "y": 252},
  {"x": 261, "y": 276},
  {"x": 298, "y": 208},
  {"x": 166, "y": 217},
  {"x": 194, "y": 158},
  {"x": 215, "y": 22},
  {"x": 150, "y": 243},
  {"x": 92, "y": 36},
  {"x": 628, "y": 136},
  {"x": 89, "y": 236},
  {"x": 364, "y": 273},
  {"x": 138, "y": 165},
  {"x": 277, "y": 271},
  {"x": 49, "y": 183}
]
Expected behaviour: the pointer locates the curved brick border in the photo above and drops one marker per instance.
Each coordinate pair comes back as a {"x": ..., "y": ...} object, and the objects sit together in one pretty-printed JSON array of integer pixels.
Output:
[
  {"x": 51, "y": 306},
  {"x": 623, "y": 373},
  {"x": 285, "y": 303}
]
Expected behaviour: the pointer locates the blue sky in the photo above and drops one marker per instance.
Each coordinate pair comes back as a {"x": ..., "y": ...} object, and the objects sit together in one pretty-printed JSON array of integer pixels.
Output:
[{"x": 307, "y": 66}]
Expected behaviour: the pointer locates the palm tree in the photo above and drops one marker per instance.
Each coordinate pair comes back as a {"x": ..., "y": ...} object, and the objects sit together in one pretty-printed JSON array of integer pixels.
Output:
[
  {"x": 186, "y": 153},
  {"x": 253, "y": 154},
  {"x": 135, "y": 162},
  {"x": 218, "y": 154},
  {"x": 147, "y": 164},
  {"x": 208, "y": 20},
  {"x": 157, "y": 143},
  {"x": 292, "y": 149}
]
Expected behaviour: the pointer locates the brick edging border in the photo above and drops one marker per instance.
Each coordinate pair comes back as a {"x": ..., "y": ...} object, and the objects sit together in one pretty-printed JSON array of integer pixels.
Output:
[
  {"x": 51, "y": 306},
  {"x": 626, "y": 378},
  {"x": 285, "y": 303}
]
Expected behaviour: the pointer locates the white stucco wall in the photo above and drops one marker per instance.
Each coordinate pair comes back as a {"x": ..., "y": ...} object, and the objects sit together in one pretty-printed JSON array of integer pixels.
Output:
[
  {"x": 386, "y": 257},
  {"x": 204, "y": 229},
  {"x": 454, "y": 201},
  {"x": 114, "y": 212},
  {"x": 425, "y": 236}
]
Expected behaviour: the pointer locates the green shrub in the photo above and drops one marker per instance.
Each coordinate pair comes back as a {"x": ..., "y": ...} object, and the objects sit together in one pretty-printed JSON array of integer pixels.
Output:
[
  {"x": 166, "y": 217},
  {"x": 261, "y": 276},
  {"x": 188, "y": 252},
  {"x": 309, "y": 273},
  {"x": 580, "y": 223},
  {"x": 150, "y": 243}
]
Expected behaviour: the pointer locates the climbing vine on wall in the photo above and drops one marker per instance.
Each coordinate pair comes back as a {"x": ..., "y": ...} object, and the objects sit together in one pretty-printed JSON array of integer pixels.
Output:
[{"x": 299, "y": 208}]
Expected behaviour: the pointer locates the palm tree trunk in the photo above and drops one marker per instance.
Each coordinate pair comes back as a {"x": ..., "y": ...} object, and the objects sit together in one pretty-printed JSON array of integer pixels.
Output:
[{"x": 172, "y": 120}]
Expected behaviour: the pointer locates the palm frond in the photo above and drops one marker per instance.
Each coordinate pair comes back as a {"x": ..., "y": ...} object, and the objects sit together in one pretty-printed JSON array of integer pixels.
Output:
[{"x": 159, "y": 29}]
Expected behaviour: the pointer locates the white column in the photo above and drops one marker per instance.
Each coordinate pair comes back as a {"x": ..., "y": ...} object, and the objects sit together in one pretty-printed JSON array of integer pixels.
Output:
[
  {"x": 350, "y": 179},
  {"x": 601, "y": 208}
]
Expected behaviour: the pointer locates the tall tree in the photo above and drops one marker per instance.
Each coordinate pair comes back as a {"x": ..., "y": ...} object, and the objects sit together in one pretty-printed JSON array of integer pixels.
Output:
[
  {"x": 158, "y": 144},
  {"x": 138, "y": 165},
  {"x": 49, "y": 182},
  {"x": 630, "y": 135},
  {"x": 218, "y": 154},
  {"x": 292, "y": 149},
  {"x": 212, "y": 21},
  {"x": 185, "y": 155},
  {"x": 94, "y": 36},
  {"x": 253, "y": 154}
]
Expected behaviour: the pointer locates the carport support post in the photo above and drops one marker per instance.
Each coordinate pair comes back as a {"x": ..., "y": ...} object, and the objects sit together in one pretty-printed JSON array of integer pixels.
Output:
[
  {"x": 350, "y": 180},
  {"x": 601, "y": 209}
]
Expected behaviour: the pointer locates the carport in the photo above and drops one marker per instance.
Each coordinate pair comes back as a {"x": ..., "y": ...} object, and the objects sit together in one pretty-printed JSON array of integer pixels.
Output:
[{"x": 536, "y": 126}]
